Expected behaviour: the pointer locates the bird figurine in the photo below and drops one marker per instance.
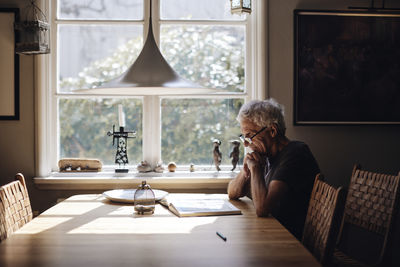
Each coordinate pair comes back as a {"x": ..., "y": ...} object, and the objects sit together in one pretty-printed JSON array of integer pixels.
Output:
[
  {"x": 217, "y": 156},
  {"x": 144, "y": 166},
  {"x": 191, "y": 168},
  {"x": 159, "y": 167},
  {"x": 234, "y": 153}
]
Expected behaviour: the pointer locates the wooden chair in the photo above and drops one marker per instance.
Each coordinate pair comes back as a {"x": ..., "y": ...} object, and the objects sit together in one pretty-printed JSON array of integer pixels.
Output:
[
  {"x": 15, "y": 207},
  {"x": 323, "y": 219},
  {"x": 368, "y": 218}
]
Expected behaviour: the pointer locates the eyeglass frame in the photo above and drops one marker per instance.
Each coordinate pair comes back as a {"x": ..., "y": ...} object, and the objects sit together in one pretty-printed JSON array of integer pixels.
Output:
[{"x": 250, "y": 139}]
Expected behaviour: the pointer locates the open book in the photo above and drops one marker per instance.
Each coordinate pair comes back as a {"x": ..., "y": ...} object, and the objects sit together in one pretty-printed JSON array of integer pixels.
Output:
[{"x": 186, "y": 205}]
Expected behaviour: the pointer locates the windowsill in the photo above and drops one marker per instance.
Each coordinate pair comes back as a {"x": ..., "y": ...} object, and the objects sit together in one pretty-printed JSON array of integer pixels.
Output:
[{"x": 180, "y": 180}]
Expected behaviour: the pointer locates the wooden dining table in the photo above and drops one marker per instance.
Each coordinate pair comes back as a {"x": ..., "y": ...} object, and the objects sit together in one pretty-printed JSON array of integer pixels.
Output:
[{"x": 90, "y": 230}]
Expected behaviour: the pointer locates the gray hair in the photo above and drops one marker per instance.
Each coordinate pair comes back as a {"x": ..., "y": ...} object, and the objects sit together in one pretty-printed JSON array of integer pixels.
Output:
[{"x": 264, "y": 113}]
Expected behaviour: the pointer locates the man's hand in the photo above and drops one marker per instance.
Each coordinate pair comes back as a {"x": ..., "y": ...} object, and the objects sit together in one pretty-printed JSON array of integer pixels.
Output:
[
  {"x": 252, "y": 161},
  {"x": 246, "y": 167}
]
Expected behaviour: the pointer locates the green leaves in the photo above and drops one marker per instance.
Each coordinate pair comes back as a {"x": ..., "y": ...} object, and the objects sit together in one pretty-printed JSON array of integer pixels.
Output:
[
  {"x": 190, "y": 125},
  {"x": 84, "y": 124},
  {"x": 212, "y": 56}
]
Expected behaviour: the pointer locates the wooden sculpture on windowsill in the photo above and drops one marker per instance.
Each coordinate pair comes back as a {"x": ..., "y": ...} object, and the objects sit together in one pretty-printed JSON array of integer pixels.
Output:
[
  {"x": 79, "y": 165},
  {"x": 217, "y": 155},
  {"x": 234, "y": 153}
]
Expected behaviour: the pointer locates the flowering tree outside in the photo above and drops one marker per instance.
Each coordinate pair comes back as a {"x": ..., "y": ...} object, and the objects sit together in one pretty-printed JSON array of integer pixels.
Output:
[{"x": 211, "y": 56}]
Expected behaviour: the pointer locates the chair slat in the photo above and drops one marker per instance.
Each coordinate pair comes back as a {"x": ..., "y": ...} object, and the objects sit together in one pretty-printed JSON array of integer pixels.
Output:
[
  {"x": 323, "y": 219},
  {"x": 15, "y": 206},
  {"x": 370, "y": 205}
]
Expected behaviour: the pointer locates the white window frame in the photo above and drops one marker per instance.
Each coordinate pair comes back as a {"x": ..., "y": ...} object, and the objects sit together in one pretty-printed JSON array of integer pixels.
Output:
[{"x": 46, "y": 78}]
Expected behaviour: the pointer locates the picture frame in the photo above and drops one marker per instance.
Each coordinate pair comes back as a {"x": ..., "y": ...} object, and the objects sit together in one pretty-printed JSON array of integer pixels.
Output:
[
  {"x": 9, "y": 65},
  {"x": 346, "y": 69}
]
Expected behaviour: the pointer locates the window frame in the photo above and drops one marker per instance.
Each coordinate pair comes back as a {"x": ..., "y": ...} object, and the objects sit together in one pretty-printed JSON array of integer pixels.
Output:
[{"x": 47, "y": 75}]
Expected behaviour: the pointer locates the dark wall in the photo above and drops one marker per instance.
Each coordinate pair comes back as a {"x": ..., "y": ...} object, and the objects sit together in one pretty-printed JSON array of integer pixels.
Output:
[{"x": 336, "y": 148}]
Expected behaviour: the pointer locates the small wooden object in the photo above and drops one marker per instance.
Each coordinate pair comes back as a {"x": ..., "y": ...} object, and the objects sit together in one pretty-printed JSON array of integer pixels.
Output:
[
  {"x": 171, "y": 166},
  {"x": 217, "y": 155},
  {"x": 79, "y": 165}
]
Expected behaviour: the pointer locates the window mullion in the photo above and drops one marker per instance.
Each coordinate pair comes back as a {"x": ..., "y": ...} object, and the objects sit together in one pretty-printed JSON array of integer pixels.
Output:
[
  {"x": 51, "y": 88},
  {"x": 151, "y": 129},
  {"x": 156, "y": 21},
  {"x": 151, "y": 104},
  {"x": 97, "y": 22},
  {"x": 257, "y": 51}
]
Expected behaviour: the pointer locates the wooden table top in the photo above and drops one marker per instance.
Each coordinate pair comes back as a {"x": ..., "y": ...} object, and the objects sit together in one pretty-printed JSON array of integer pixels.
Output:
[{"x": 89, "y": 230}]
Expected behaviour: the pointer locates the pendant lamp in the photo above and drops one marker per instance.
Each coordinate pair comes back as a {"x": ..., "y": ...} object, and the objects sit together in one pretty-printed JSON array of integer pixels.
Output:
[{"x": 150, "y": 74}]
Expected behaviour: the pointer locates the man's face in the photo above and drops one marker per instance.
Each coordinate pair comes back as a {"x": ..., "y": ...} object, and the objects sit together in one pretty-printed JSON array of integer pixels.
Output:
[{"x": 259, "y": 143}]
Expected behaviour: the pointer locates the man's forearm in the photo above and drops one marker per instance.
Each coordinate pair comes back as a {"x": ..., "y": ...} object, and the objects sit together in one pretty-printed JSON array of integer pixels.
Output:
[
  {"x": 259, "y": 192},
  {"x": 238, "y": 187}
]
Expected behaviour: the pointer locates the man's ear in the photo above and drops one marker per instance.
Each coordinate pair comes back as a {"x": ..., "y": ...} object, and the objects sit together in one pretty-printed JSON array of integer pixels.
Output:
[{"x": 273, "y": 131}]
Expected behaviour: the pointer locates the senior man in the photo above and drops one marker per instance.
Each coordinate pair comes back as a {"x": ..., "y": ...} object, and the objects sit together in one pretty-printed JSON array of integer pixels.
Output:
[{"x": 278, "y": 173}]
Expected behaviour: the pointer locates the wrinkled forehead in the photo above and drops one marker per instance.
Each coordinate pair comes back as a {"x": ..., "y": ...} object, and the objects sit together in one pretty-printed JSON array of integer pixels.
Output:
[{"x": 247, "y": 126}]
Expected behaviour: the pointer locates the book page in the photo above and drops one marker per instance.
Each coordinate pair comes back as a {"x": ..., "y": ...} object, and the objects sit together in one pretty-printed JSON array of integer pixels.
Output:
[{"x": 203, "y": 205}]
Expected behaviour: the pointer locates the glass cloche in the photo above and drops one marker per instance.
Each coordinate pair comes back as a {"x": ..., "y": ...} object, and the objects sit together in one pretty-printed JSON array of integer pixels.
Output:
[{"x": 144, "y": 199}]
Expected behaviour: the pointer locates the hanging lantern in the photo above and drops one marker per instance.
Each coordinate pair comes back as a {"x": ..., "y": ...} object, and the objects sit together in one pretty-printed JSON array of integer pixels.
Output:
[
  {"x": 144, "y": 199},
  {"x": 240, "y": 6},
  {"x": 33, "y": 31}
]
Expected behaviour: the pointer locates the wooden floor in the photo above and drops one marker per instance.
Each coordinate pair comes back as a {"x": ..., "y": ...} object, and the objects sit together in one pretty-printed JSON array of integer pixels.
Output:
[{"x": 88, "y": 230}]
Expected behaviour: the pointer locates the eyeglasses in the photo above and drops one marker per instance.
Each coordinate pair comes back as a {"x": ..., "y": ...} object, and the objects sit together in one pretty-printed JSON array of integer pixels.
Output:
[{"x": 249, "y": 139}]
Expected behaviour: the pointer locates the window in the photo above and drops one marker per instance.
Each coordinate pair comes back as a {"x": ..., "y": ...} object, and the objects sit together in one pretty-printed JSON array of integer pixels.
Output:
[{"x": 94, "y": 41}]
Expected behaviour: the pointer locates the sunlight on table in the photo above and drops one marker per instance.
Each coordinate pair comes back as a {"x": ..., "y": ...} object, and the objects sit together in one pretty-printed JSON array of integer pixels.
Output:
[
  {"x": 41, "y": 224},
  {"x": 73, "y": 208},
  {"x": 143, "y": 225}
]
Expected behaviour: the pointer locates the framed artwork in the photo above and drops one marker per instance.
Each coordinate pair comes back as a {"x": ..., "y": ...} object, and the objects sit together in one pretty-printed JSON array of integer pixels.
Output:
[
  {"x": 346, "y": 67},
  {"x": 9, "y": 66}
]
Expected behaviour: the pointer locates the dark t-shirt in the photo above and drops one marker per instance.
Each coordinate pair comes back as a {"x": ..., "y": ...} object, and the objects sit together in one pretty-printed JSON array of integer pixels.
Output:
[{"x": 296, "y": 166}]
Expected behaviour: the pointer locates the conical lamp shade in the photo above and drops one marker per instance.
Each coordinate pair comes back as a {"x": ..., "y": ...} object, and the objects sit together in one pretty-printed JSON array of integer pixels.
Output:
[{"x": 150, "y": 74}]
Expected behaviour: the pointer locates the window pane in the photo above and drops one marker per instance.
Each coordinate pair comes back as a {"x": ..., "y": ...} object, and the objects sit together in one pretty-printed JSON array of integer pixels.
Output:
[
  {"x": 100, "y": 9},
  {"x": 89, "y": 55},
  {"x": 84, "y": 123},
  {"x": 211, "y": 56},
  {"x": 195, "y": 9},
  {"x": 190, "y": 125}
]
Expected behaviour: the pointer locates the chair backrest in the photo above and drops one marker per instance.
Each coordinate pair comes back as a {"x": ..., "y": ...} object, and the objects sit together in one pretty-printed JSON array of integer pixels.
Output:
[
  {"x": 370, "y": 207},
  {"x": 15, "y": 207},
  {"x": 323, "y": 219}
]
